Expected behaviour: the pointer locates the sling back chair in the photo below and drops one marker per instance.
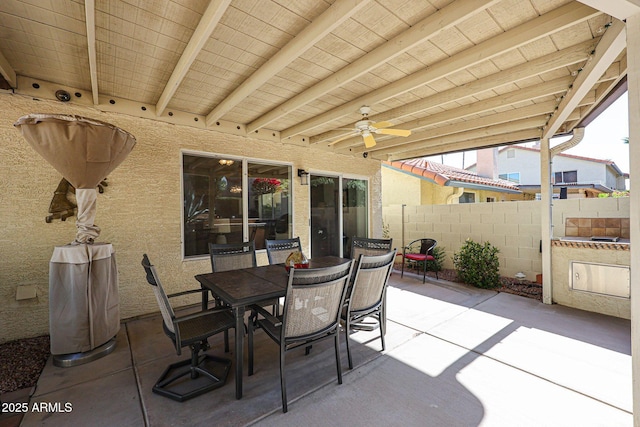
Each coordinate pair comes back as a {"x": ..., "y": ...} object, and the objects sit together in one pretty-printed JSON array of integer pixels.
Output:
[
  {"x": 279, "y": 250},
  {"x": 367, "y": 298},
  {"x": 203, "y": 372},
  {"x": 312, "y": 307}
]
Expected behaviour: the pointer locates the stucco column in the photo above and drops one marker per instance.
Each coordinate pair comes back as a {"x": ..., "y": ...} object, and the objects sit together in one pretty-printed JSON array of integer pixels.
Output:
[
  {"x": 545, "y": 219},
  {"x": 633, "y": 80}
]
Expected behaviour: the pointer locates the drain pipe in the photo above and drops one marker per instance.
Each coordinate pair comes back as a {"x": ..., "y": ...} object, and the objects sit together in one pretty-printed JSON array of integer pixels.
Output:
[
  {"x": 456, "y": 195},
  {"x": 578, "y": 134},
  {"x": 546, "y": 188}
]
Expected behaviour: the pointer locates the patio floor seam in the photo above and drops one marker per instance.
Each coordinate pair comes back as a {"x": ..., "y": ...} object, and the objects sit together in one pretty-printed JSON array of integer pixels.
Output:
[{"x": 136, "y": 376}]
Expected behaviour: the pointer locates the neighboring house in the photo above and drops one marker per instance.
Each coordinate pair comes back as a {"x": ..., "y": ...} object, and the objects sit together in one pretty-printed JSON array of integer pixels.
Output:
[
  {"x": 421, "y": 182},
  {"x": 582, "y": 177}
]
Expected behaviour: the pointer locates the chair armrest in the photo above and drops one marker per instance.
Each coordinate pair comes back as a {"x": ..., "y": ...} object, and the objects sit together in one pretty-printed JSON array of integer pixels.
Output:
[
  {"x": 203, "y": 313},
  {"x": 192, "y": 291},
  {"x": 268, "y": 316},
  {"x": 408, "y": 245}
]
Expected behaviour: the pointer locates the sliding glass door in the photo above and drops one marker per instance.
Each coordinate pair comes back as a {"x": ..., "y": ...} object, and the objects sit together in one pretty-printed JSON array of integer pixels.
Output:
[
  {"x": 339, "y": 212},
  {"x": 354, "y": 211},
  {"x": 325, "y": 216}
]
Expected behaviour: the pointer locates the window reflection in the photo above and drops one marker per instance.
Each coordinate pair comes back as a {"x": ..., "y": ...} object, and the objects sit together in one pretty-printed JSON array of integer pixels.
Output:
[
  {"x": 269, "y": 203},
  {"x": 354, "y": 211},
  {"x": 212, "y": 204},
  {"x": 214, "y": 201}
]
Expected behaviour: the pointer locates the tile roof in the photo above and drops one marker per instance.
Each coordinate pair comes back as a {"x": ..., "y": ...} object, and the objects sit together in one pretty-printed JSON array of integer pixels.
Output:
[{"x": 448, "y": 175}]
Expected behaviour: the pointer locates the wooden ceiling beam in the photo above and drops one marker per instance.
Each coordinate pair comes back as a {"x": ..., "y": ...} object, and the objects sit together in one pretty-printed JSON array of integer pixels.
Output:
[
  {"x": 517, "y": 114},
  {"x": 8, "y": 72},
  {"x": 607, "y": 50},
  {"x": 547, "y": 24},
  {"x": 588, "y": 104},
  {"x": 432, "y": 25},
  {"x": 553, "y": 87},
  {"x": 553, "y": 61},
  {"x": 203, "y": 31},
  {"x": 509, "y": 130},
  {"x": 333, "y": 17},
  {"x": 90, "y": 20},
  {"x": 471, "y": 144},
  {"x": 620, "y": 9}
]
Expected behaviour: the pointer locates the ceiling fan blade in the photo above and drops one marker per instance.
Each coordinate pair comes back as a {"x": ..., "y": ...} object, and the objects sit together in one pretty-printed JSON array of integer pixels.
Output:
[
  {"x": 369, "y": 141},
  {"x": 381, "y": 125},
  {"x": 398, "y": 132},
  {"x": 342, "y": 138}
]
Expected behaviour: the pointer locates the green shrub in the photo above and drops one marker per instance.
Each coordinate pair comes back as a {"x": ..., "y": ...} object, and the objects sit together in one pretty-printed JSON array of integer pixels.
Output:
[{"x": 478, "y": 264}]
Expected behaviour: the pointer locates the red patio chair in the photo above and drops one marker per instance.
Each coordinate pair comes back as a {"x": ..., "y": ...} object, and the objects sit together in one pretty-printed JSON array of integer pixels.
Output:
[{"x": 425, "y": 254}]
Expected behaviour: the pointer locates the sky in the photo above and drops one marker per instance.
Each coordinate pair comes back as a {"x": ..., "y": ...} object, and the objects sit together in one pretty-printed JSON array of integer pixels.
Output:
[{"x": 602, "y": 139}]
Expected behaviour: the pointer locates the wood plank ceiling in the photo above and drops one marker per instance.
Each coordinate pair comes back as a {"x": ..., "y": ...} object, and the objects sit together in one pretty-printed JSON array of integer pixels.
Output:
[{"x": 459, "y": 74}]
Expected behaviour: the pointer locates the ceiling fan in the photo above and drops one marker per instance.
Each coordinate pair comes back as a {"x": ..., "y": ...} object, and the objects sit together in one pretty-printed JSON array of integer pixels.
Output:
[{"x": 366, "y": 128}]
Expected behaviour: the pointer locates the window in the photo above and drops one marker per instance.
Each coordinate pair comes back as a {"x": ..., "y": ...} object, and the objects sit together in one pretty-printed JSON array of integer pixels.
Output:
[
  {"x": 513, "y": 177},
  {"x": 220, "y": 206},
  {"x": 566, "y": 177},
  {"x": 467, "y": 198},
  {"x": 491, "y": 199},
  {"x": 269, "y": 202}
]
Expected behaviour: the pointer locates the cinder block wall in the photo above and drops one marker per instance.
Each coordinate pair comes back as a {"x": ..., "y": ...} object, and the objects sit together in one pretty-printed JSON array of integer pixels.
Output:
[
  {"x": 513, "y": 227},
  {"x": 139, "y": 212}
]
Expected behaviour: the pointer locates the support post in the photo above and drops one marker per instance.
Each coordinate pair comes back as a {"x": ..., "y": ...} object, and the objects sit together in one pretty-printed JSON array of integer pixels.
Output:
[
  {"x": 545, "y": 218},
  {"x": 633, "y": 80}
]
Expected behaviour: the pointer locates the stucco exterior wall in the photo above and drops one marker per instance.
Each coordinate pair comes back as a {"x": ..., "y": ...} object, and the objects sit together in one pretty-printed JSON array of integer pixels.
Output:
[
  {"x": 140, "y": 211},
  {"x": 403, "y": 188},
  {"x": 562, "y": 256},
  {"x": 527, "y": 163},
  {"x": 399, "y": 188},
  {"x": 590, "y": 301},
  {"x": 433, "y": 194}
]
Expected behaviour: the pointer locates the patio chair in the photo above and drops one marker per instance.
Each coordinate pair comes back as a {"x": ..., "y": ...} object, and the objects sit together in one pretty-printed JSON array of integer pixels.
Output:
[
  {"x": 365, "y": 246},
  {"x": 279, "y": 250},
  {"x": 367, "y": 298},
  {"x": 425, "y": 254},
  {"x": 234, "y": 256},
  {"x": 206, "y": 372},
  {"x": 311, "y": 313}
]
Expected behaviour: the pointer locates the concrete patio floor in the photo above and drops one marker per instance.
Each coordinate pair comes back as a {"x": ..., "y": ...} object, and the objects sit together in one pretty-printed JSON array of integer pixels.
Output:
[{"x": 456, "y": 356}]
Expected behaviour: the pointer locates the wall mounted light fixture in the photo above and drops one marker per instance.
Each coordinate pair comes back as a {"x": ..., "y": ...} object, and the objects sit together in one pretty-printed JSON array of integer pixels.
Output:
[{"x": 304, "y": 177}]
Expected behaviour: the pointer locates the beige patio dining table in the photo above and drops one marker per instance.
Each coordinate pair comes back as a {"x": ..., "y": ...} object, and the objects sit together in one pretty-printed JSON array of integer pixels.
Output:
[{"x": 242, "y": 288}]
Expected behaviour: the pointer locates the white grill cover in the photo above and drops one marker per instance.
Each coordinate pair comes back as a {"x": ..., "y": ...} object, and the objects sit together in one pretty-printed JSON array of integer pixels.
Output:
[{"x": 83, "y": 297}]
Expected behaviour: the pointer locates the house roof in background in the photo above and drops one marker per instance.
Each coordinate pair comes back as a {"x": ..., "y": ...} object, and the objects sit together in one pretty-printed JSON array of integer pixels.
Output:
[
  {"x": 460, "y": 74},
  {"x": 444, "y": 175}
]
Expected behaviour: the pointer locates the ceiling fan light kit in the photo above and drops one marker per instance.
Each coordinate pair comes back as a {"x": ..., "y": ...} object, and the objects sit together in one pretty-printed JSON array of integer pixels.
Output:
[{"x": 366, "y": 128}]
